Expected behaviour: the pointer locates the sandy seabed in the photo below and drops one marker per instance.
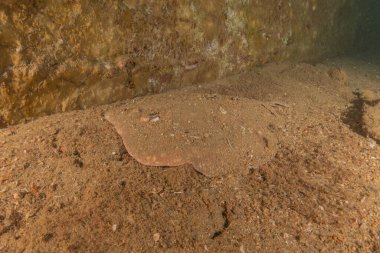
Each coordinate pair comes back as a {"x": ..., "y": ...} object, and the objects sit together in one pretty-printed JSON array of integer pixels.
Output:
[{"x": 67, "y": 183}]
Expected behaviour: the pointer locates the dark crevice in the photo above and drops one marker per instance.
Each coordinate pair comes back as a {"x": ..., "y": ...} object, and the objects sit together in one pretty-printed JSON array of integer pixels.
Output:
[
  {"x": 225, "y": 225},
  {"x": 353, "y": 116}
]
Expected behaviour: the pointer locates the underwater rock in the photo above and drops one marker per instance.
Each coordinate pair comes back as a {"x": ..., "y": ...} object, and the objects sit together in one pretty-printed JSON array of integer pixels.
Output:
[
  {"x": 59, "y": 56},
  {"x": 371, "y": 121},
  {"x": 369, "y": 96},
  {"x": 218, "y": 135}
]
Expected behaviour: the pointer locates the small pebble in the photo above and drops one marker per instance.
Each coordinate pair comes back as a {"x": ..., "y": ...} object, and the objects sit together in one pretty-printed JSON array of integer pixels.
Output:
[
  {"x": 145, "y": 119},
  {"x": 155, "y": 119},
  {"x": 16, "y": 195},
  {"x": 156, "y": 237},
  {"x": 222, "y": 110},
  {"x": 372, "y": 144},
  {"x": 114, "y": 227}
]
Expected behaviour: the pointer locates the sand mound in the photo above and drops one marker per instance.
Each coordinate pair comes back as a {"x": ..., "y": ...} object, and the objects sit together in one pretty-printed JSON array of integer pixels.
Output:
[
  {"x": 217, "y": 134},
  {"x": 371, "y": 121},
  {"x": 371, "y": 113},
  {"x": 67, "y": 183},
  {"x": 338, "y": 75}
]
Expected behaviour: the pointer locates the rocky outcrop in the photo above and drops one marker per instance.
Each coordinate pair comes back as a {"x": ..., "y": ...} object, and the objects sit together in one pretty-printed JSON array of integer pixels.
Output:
[
  {"x": 371, "y": 113},
  {"x": 371, "y": 120},
  {"x": 64, "y": 55}
]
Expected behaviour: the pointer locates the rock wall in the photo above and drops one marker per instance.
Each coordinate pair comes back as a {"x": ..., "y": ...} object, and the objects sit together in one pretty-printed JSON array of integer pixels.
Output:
[
  {"x": 369, "y": 30},
  {"x": 71, "y": 54}
]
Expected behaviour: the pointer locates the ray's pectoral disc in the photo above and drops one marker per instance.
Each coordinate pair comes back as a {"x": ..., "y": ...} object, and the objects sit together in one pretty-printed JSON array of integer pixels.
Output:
[{"x": 217, "y": 134}]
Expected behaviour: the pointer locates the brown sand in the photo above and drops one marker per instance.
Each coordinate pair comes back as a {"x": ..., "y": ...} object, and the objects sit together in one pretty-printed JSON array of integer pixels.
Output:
[{"x": 67, "y": 184}]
